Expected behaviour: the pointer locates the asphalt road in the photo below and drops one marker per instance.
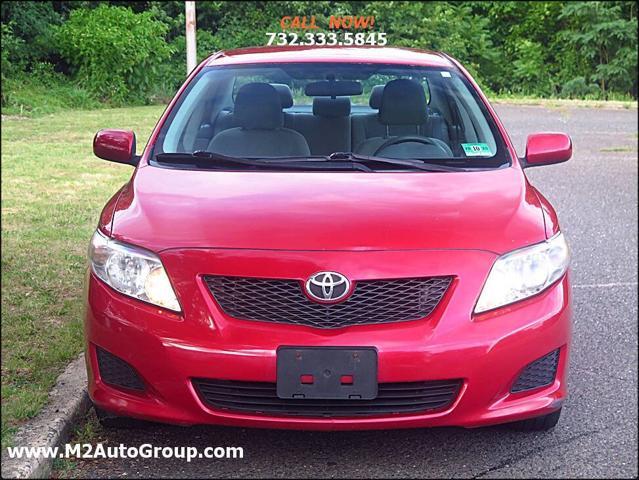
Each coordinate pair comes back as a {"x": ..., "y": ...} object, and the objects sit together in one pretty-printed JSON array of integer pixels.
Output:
[{"x": 595, "y": 195}]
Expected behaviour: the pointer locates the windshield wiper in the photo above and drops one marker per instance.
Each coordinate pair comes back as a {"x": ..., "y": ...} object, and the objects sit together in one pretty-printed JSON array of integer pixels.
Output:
[
  {"x": 334, "y": 161},
  {"x": 411, "y": 163},
  {"x": 202, "y": 159}
]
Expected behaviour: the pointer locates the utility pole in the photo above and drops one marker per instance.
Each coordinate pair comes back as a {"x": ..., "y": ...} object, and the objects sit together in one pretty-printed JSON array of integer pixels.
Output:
[{"x": 191, "y": 48}]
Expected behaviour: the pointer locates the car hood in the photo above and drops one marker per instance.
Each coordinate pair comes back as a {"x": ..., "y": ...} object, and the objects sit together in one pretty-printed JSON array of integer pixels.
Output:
[{"x": 492, "y": 210}]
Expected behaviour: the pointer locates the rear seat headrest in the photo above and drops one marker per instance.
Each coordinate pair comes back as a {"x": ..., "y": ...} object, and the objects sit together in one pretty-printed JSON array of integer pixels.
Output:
[
  {"x": 286, "y": 96},
  {"x": 403, "y": 103},
  {"x": 375, "y": 100},
  {"x": 257, "y": 106},
  {"x": 332, "y": 107}
]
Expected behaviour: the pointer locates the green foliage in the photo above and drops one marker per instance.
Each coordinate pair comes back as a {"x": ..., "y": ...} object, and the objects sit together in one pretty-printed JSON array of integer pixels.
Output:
[
  {"x": 173, "y": 72},
  {"x": 528, "y": 68},
  {"x": 244, "y": 24},
  {"x": 443, "y": 26},
  {"x": 579, "y": 88},
  {"x": 119, "y": 52},
  {"x": 522, "y": 33},
  {"x": 10, "y": 46},
  {"x": 40, "y": 91},
  {"x": 31, "y": 23},
  {"x": 28, "y": 95},
  {"x": 114, "y": 52},
  {"x": 606, "y": 35}
]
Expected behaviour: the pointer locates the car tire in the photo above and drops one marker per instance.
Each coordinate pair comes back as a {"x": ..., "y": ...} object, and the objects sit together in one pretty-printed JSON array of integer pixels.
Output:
[
  {"x": 112, "y": 421},
  {"x": 538, "y": 424}
]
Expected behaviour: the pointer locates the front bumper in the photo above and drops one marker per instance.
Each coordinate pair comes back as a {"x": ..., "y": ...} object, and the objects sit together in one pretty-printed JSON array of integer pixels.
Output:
[{"x": 487, "y": 352}]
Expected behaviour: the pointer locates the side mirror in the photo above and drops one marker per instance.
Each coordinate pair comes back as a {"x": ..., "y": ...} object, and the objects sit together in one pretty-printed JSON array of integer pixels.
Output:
[
  {"x": 546, "y": 149},
  {"x": 115, "y": 146}
]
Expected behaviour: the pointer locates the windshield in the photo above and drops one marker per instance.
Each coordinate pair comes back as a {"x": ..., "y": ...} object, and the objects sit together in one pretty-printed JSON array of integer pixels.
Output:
[{"x": 350, "y": 111}]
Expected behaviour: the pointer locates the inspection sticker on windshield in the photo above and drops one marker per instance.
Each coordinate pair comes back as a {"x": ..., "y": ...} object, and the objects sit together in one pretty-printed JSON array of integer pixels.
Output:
[{"x": 476, "y": 149}]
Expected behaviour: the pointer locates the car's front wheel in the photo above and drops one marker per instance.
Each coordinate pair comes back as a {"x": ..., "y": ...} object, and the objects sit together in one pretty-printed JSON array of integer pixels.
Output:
[{"x": 543, "y": 423}]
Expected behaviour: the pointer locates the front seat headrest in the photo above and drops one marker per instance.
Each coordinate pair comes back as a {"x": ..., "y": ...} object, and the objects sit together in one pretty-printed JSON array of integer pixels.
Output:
[
  {"x": 403, "y": 103},
  {"x": 375, "y": 100},
  {"x": 332, "y": 107},
  {"x": 258, "y": 107},
  {"x": 286, "y": 96}
]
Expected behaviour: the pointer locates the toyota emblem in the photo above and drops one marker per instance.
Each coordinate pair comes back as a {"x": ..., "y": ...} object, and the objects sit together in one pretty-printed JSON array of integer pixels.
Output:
[{"x": 327, "y": 286}]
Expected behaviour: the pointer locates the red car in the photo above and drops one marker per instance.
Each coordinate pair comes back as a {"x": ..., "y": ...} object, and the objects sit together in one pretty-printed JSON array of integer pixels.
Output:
[{"x": 329, "y": 239}]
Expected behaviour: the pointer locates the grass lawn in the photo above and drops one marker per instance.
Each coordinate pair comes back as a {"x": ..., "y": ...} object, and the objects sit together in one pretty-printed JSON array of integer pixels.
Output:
[
  {"x": 53, "y": 190},
  {"x": 563, "y": 102}
]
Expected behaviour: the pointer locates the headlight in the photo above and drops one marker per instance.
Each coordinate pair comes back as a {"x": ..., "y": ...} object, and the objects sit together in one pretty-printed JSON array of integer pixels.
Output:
[
  {"x": 523, "y": 273},
  {"x": 132, "y": 271}
]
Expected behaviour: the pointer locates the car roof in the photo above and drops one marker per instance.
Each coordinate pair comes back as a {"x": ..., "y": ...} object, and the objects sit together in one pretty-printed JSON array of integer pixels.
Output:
[{"x": 300, "y": 54}]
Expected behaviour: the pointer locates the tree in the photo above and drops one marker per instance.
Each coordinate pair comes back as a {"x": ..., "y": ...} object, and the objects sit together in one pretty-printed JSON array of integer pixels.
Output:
[
  {"x": 605, "y": 34},
  {"x": 114, "y": 52},
  {"x": 447, "y": 26},
  {"x": 545, "y": 48}
]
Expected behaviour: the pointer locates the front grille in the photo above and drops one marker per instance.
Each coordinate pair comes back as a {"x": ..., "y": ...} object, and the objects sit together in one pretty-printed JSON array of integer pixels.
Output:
[
  {"x": 392, "y": 398},
  {"x": 116, "y": 372},
  {"x": 372, "y": 301},
  {"x": 537, "y": 374}
]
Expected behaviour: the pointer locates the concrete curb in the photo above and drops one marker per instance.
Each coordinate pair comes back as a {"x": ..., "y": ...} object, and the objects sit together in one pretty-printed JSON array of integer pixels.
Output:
[{"x": 68, "y": 402}]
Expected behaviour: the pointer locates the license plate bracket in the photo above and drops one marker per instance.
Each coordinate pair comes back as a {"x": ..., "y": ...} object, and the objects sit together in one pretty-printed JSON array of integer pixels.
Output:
[{"x": 327, "y": 373}]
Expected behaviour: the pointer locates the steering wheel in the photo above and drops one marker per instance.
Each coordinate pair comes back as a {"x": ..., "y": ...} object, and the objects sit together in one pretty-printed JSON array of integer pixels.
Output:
[{"x": 409, "y": 138}]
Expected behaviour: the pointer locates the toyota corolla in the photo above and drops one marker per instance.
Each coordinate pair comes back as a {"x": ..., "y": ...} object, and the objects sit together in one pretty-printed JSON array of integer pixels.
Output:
[{"x": 329, "y": 238}]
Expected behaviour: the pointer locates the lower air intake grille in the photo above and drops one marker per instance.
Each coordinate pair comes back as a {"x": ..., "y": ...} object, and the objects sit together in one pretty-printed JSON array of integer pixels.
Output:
[
  {"x": 372, "y": 301},
  {"x": 537, "y": 374},
  {"x": 116, "y": 372},
  {"x": 393, "y": 398}
]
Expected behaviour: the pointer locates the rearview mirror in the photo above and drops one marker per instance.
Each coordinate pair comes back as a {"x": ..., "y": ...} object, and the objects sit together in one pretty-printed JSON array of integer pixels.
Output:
[
  {"x": 546, "y": 149},
  {"x": 115, "y": 146}
]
